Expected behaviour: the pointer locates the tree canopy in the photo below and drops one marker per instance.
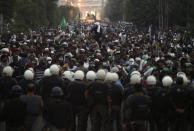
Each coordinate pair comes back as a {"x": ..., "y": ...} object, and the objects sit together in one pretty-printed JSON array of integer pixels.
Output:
[
  {"x": 35, "y": 13},
  {"x": 146, "y": 12}
]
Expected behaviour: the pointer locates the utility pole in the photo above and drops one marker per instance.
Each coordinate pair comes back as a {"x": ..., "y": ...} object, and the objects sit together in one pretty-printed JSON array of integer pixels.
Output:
[
  {"x": 160, "y": 14},
  {"x": 1, "y": 23},
  {"x": 102, "y": 9},
  {"x": 166, "y": 14},
  {"x": 163, "y": 14}
]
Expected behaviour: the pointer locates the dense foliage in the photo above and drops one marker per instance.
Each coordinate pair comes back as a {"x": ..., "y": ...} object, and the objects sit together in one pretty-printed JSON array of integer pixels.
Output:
[
  {"x": 146, "y": 12},
  {"x": 35, "y": 13}
]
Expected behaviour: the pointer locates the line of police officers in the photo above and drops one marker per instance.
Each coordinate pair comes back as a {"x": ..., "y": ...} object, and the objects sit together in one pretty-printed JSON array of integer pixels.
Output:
[{"x": 66, "y": 101}]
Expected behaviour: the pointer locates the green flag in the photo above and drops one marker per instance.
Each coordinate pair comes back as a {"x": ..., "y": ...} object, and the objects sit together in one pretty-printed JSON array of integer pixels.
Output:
[
  {"x": 63, "y": 22},
  {"x": 77, "y": 17}
]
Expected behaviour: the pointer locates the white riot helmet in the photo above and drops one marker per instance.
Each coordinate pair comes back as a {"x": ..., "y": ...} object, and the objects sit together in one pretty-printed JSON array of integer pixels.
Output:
[
  {"x": 115, "y": 69},
  {"x": 8, "y": 71},
  {"x": 136, "y": 73},
  {"x": 54, "y": 69},
  {"x": 68, "y": 75},
  {"x": 135, "y": 79},
  {"x": 79, "y": 75},
  {"x": 115, "y": 77},
  {"x": 183, "y": 75},
  {"x": 29, "y": 75},
  {"x": 47, "y": 72},
  {"x": 109, "y": 77},
  {"x": 101, "y": 74},
  {"x": 151, "y": 80},
  {"x": 167, "y": 81},
  {"x": 91, "y": 75}
]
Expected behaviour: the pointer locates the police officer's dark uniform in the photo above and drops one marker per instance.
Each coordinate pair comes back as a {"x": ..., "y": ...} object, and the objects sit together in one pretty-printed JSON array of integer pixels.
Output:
[
  {"x": 192, "y": 108},
  {"x": 58, "y": 112},
  {"x": 6, "y": 84},
  {"x": 34, "y": 105},
  {"x": 128, "y": 90},
  {"x": 76, "y": 96},
  {"x": 24, "y": 83},
  {"x": 180, "y": 99},
  {"x": 161, "y": 109},
  {"x": 138, "y": 105},
  {"x": 14, "y": 111},
  {"x": 98, "y": 100},
  {"x": 49, "y": 83},
  {"x": 116, "y": 96},
  {"x": 152, "y": 93}
]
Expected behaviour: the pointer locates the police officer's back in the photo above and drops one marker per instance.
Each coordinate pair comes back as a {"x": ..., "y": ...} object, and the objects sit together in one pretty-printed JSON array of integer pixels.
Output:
[
  {"x": 34, "y": 105},
  {"x": 28, "y": 78},
  {"x": 161, "y": 106},
  {"x": 98, "y": 100},
  {"x": 135, "y": 78},
  {"x": 180, "y": 99},
  {"x": 57, "y": 111},
  {"x": 139, "y": 106},
  {"x": 76, "y": 90},
  {"x": 14, "y": 111},
  {"x": 152, "y": 91},
  {"x": 116, "y": 100},
  {"x": 68, "y": 78},
  {"x": 52, "y": 81},
  {"x": 6, "y": 82},
  {"x": 77, "y": 98}
]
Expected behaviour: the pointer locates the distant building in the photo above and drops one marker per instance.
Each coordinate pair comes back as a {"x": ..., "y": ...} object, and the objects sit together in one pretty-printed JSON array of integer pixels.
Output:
[
  {"x": 91, "y": 6},
  {"x": 65, "y": 2},
  {"x": 86, "y": 6},
  {"x": 62, "y": 2}
]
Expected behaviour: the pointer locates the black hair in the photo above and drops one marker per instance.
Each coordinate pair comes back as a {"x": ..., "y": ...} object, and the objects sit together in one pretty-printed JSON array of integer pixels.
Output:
[
  {"x": 138, "y": 88},
  {"x": 179, "y": 81},
  {"x": 3, "y": 57},
  {"x": 31, "y": 87}
]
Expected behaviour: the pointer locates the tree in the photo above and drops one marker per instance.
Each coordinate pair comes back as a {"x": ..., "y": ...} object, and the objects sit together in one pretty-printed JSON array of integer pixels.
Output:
[
  {"x": 34, "y": 13},
  {"x": 113, "y": 10},
  {"x": 147, "y": 12},
  {"x": 7, "y": 8}
]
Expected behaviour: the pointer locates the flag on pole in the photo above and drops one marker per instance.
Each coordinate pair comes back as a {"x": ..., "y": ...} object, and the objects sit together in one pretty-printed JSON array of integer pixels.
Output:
[
  {"x": 77, "y": 17},
  {"x": 63, "y": 22}
]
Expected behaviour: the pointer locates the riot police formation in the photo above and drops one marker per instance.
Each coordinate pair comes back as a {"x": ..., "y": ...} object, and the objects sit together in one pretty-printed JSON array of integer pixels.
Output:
[
  {"x": 119, "y": 79},
  {"x": 148, "y": 105}
]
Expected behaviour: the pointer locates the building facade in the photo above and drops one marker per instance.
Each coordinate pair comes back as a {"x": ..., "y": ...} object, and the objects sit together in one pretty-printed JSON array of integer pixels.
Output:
[{"x": 94, "y": 7}]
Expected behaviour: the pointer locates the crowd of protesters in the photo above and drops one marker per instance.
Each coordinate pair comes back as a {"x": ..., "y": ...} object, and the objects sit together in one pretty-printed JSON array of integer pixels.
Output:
[{"x": 113, "y": 77}]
